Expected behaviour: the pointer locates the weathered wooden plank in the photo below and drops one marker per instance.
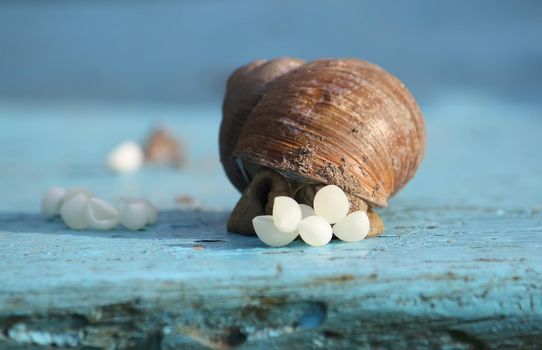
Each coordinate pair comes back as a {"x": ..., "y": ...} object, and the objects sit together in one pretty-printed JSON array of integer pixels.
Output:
[
  {"x": 197, "y": 281},
  {"x": 460, "y": 265}
]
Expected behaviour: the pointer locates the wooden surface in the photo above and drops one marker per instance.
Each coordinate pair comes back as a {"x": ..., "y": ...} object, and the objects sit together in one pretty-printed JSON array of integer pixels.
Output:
[{"x": 459, "y": 267}]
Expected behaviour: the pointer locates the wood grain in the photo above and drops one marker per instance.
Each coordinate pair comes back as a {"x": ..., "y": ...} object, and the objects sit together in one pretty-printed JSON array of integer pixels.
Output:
[{"x": 459, "y": 266}]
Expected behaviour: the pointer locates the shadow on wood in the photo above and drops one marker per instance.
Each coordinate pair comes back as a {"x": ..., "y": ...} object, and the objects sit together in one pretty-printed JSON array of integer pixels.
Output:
[{"x": 198, "y": 229}]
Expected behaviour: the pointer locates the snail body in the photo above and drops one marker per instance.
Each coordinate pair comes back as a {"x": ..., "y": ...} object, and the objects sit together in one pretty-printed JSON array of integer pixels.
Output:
[{"x": 344, "y": 122}]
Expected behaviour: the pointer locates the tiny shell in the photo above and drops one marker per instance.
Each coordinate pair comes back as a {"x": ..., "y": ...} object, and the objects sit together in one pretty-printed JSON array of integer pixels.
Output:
[
  {"x": 268, "y": 233},
  {"x": 305, "y": 194},
  {"x": 354, "y": 227},
  {"x": 306, "y": 211},
  {"x": 133, "y": 215},
  {"x": 74, "y": 212},
  {"x": 315, "y": 231},
  {"x": 101, "y": 215},
  {"x": 50, "y": 202},
  {"x": 286, "y": 214},
  {"x": 152, "y": 212},
  {"x": 331, "y": 203},
  {"x": 72, "y": 192},
  {"x": 125, "y": 158}
]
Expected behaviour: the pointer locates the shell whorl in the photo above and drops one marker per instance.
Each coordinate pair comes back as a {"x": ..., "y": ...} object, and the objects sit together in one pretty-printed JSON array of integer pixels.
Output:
[
  {"x": 245, "y": 87},
  {"x": 342, "y": 121}
]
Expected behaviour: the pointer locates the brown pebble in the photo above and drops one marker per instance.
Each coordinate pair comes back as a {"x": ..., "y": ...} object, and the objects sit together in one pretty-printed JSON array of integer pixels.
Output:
[
  {"x": 185, "y": 199},
  {"x": 162, "y": 148}
]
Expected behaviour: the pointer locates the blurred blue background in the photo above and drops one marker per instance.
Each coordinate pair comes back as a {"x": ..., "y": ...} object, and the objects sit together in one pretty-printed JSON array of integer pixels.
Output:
[
  {"x": 181, "y": 52},
  {"x": 78, "y": 77}
]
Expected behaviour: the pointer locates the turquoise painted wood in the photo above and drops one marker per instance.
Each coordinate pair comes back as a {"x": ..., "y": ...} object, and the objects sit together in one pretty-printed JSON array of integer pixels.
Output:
[{"x": 459, "y": 266}]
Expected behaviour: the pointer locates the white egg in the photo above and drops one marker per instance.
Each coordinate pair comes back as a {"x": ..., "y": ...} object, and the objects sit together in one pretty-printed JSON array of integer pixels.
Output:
[
  {"x": 331, "y": 203},
  {"x": 315, "y": 231},
  {"x": 286, "y": 214},
  {"x": 152, "y": 211},
  {"x": 268, "y": 233},
  {"x": 125, "y": 158},
  {"x": 74, "y": 212},
  {"x": 306, "y": 211},
  {"x": 101, "y": 215},
  {"x": 133, "y": 215},
  {"x": 354, "y": 227},
  {"x": 50, "y": 202},
  {"x": 72, "y": 192}
]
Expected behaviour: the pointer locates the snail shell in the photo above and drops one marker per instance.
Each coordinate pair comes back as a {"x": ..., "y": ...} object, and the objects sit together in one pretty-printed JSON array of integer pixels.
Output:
[
  {"x": 245, "y": 87},
  {"x": 341, "y": 121}
]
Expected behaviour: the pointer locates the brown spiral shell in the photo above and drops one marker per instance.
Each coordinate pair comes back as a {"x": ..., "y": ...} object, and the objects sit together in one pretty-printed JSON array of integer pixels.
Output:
[
  {"x": 245, "y": 88},
  {"x": 339, "y": 121}
]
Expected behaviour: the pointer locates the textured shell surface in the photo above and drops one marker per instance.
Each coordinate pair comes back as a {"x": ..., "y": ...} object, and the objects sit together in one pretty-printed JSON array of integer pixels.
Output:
[
  {"x": 340, "y": 121},
  {"x": 245, "y": 88}
]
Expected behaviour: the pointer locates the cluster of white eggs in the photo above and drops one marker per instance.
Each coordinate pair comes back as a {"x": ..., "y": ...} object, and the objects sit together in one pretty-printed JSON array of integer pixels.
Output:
[
  {"x": 290, "y": 219},
  {"x": 80, "y": 209}
]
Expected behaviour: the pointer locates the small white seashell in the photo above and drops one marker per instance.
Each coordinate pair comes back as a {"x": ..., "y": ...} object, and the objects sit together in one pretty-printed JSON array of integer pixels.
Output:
[
  {"x": 133, "y": 215},
  {"x": 315, "y": 231},
  {"x": 306, "y": 211},
  {"x": 101, "y": 215},
  {"x": 354, "y": 227},
  {"x": 286, "y": 214},
  {"x": 50, "y": 202},
  {"x": 268, "y": 233},
  {"x": 331, "y": 203},
  {"x": 72, "y": 192},
  {"x": 125, "y": 158},
  {"x": 74, "y": 212},
  {"x": 152, "y": 212}
]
